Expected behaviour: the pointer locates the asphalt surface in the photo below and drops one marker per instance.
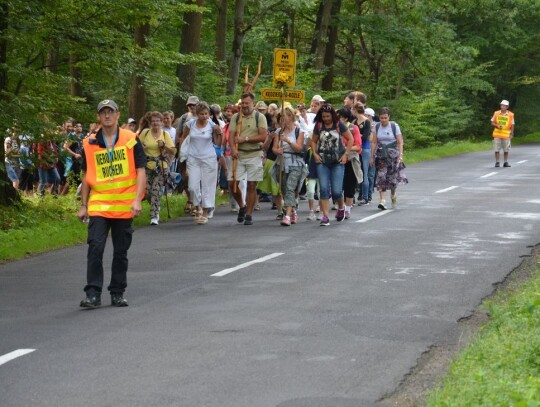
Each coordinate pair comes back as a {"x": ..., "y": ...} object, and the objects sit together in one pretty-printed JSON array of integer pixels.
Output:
[{"x": 337, "y": 320}]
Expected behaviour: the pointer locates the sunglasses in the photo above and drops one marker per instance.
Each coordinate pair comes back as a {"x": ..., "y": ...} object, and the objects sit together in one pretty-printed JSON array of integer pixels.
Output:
[{"x": 327, "y": 108}]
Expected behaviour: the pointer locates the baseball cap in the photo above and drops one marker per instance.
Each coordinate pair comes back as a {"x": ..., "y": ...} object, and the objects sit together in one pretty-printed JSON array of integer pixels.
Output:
[
  {"x": 107, "y": 103},
  {"x": 369, "y": 111},
  {"x": 317, "y": 98},
  {"x": 192, "y": 100},
  {"x": 131, "y": 121},
  {"x": 505, "y": 102}
]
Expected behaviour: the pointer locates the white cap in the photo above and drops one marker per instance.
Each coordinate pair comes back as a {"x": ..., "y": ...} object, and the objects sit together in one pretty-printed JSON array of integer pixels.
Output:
[
  {"x": 505, "y": 102},
  {"x": 369, "y": 111},
  {"x": 317, "y": 98}
]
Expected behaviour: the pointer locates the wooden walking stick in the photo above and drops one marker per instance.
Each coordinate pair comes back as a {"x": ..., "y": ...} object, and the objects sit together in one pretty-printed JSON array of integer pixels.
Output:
[
  {"x": 282, "y": 124},
  {"x": 161, "y": 158}
]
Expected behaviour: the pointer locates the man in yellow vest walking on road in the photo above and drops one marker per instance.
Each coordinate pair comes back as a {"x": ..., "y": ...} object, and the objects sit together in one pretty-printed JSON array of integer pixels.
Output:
[
  {"x": 503, "y": 121},
  {"x": 113, "y": 187}
]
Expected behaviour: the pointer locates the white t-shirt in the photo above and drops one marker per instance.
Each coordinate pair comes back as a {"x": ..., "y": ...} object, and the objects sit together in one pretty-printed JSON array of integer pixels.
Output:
[
  {"x": 171, "y": 131},
  {"x": 201, "y": 143},
  {"x": 385, "y": 135}
]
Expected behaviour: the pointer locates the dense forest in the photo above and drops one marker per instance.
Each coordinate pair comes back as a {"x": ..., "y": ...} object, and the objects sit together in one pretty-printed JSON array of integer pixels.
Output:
[{"x": 442, "y": 67}]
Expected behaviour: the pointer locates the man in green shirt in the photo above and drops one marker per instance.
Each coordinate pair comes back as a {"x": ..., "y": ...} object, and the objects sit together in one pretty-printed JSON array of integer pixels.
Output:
[{"x": 247, "y": 131}]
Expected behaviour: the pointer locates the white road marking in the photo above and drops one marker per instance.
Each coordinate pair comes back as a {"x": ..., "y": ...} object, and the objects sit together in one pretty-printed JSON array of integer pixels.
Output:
[
  {"x": 522, "y": 161},
  {"x": 488, "y": 175},
  {"x": 247, "y": 264},
  {"x": 440, "y": 191},
  {"x": 374, "y": 216},
  {"x": 14, "y": 355},
  {"x": 536, "y": 201}
]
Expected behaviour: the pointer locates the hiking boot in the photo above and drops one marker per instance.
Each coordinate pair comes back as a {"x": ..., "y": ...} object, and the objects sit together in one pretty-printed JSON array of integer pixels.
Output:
[
  {"x": 286, "y": 221},
  {"x": 311, "y": 215},
  {"x": 382, "y": 205},
  {"x": 340, "y": 215},
  {"x": 91, "y": 302},
  {"x": 325, "y": 221},
  {"x": 117, "y": 300},
  {"x": 506, "y": 164},
  {"x": 241, "y": 214},
  {"x": 248, "y": 220},
  {"x": 497, "y": 164}
]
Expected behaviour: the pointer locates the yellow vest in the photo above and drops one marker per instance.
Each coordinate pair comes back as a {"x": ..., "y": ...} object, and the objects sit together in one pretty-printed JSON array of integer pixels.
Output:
[
  {"x": 113, "y": 183},
  {"x": 506, "y": 120}
]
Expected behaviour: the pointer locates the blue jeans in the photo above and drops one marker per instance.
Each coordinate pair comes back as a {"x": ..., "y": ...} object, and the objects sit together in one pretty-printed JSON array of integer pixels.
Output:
[
  {"x": 48, "y": 176},
  {"x": 330, "y": 179},
  {"x": 369, "y": 175}
]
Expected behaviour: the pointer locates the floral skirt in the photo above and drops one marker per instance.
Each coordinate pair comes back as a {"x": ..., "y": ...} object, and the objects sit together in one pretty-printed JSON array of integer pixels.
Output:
[{"x": 390, "y": 170}]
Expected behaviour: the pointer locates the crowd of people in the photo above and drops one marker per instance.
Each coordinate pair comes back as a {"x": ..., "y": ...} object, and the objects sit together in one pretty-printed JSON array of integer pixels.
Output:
[{"x": 253, "y": 152}]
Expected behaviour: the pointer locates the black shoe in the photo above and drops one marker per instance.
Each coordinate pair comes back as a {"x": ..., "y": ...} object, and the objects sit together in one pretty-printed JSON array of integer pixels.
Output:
[
  {"x": 249, "y": 220},
  {"x": 274, "y": 206},
  {"x": 241, "y": 214},
  {"x": 91, "y": 302},
  {"x": 117, "y": 300},
  {"x": 497, "y": 164},
  {"x": 506, "y": 164}
]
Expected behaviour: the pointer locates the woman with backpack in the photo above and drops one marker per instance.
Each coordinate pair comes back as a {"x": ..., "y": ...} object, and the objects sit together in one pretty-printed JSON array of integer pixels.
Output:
[
  {"x": 387, "y": 155},
  {"x": 157, "y": 144},
  {"x": 330, "y": 153},
  {"x": 288, "y": 147}
]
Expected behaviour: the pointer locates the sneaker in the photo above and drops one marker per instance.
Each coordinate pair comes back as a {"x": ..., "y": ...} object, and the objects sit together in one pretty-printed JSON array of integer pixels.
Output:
[
  {"x": 318, "y": 209},
  {"x": 340, "y": 215},
  {"x": 117, "y": 300},
  {"x": 154, "y": 221},
  {"x": 497, "y": 164},
  {"x": 311, "y": 215},
  {"x": 325, "y": 221},
  {"x": 274, "y": 207},
  {"x": 394, "y": 203},
  {"x": 334, "y": 207},
  {"x": 241, "y": 214},
  {"x": 279, "y": 216},
  {"x": 234, "y": 208},
  {"x": 294, "y": 218},
  {"x": 318, "y": 216},
  {"x": 286, "y": 221},
  {"x": 210, "y": 213},
  {"x": 363, "y": 202},
  {"x": 369, "y": 199},
  {"x": 91, "y": 302},
  {"x": 506, "y": 164},
  {"x": 382, "y": 205},
  {"x": 248, "y": 220},
  {"x": 347, "y": 214}
]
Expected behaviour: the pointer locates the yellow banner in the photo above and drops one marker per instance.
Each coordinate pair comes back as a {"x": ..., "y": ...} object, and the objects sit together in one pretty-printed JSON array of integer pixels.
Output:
[
  {"x": 275, "y": 94},
  {"x": 284, "y": 67}
]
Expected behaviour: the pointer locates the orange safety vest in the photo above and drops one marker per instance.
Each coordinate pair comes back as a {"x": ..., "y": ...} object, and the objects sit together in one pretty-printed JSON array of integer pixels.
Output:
[
  {"x": 506, "y": 120},
  {"x": 113, "y": 183}
]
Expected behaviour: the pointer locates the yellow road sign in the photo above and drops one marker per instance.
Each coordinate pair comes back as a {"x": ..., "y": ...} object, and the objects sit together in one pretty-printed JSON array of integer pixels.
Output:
[
  {"x": 284, "y": 67},
  {"x": 275, "y": 94}
]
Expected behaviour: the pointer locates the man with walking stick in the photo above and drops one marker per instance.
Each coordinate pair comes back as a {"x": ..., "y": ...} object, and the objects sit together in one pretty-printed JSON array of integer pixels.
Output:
[
  {"x": 113, "y": 187},
  {"x": 245, "y": 142}
]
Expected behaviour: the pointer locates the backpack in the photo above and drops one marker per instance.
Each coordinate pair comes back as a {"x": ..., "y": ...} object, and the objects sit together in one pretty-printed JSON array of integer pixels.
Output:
[
  {"x": 330, "y": 154},
  {"x": 256, "y": 119},
  {"x": 392, "y": 124}
]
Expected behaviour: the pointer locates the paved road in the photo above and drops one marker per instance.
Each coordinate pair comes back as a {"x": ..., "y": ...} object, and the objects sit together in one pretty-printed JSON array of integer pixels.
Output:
[{"x": 338, "y": 319}]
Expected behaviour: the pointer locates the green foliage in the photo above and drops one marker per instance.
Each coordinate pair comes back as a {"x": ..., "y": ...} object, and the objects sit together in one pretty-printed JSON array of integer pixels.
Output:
[{"x": 501, "y": 367}]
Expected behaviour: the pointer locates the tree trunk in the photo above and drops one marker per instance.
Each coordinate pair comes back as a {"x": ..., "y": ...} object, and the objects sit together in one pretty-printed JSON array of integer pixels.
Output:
[
  {"x": 238, "y": 43},
  {"x": 221, "y": 37},
  {"x": 137, "y": 93},
  {"x": 189, "y": 44},
  {"x": 321, "y": 33},
  {"x": 76, "y": 76},
  {"x": 330, "y": 54},
  {"x": 8, "y": 195}
]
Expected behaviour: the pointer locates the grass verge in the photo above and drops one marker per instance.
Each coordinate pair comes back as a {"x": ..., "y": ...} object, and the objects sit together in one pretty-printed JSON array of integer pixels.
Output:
[
  {"x": 501, "y": 366},
  {"x": 37, "y": 225}
]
